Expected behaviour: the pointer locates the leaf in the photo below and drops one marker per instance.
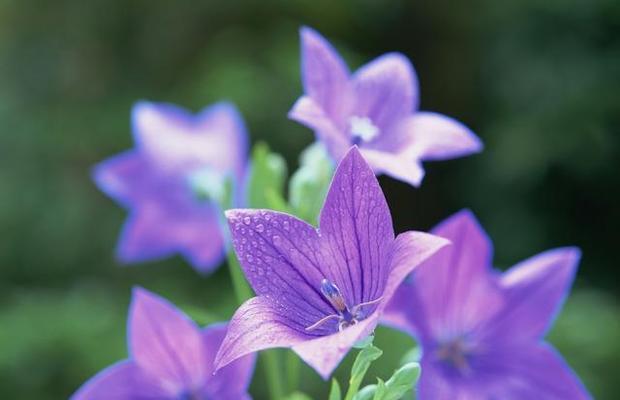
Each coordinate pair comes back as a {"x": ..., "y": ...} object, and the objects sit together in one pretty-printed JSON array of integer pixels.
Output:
[
  {"x": 298, "y": 396},
  {"x": 362, "y": 362},
  {"x": 334, "y": 393},
  {"x": 412, "y": 355},
  {"x": 266, "y": 179},
  {"x": 309, "y": 184},
  {"x": 402, "y": 381},
  {"x": 366, "y": 393}
]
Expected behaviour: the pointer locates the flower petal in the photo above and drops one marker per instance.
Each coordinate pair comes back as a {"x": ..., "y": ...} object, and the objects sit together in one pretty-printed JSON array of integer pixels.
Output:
[
  {"x": 395, "y": 165},
  {"x": 535, "y": 290},
  {"x": 530, "y": 372},
  {"x": 176, "y": 141},
  {"x": 431, "y": 136},
  {"x": 282, "y": 258},
  {"x": 232, "y": 381},
  {"x": 122, "y": 177},
  {"x": 257, "y": 324},
  {"x": 386, "y": 90},
  {"x": 325, "y": 76},
  {"x": 356, "y": 227},
  {"x": 307, "y": 112},
  {"x": 455, "y": 291},
  {"x": 434, "y": 385},
  {"x": 165, "y": 343},
  {"x": 325, "y": 353},
  {"x": 121, "y": 381}
]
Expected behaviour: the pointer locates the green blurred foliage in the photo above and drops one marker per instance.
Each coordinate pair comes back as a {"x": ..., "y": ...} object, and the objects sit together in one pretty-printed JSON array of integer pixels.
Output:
[{"x": 536, "y": 80}]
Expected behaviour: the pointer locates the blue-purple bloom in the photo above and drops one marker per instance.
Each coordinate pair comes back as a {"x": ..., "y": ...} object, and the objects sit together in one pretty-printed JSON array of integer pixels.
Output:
[
  {"x": 170, "y": 180},
  {"x": 171, "y": 358},
  {"x": 375, "y": 108},
  {"x": 320, "y": 290},
  {"x": 481, "y": 331}
]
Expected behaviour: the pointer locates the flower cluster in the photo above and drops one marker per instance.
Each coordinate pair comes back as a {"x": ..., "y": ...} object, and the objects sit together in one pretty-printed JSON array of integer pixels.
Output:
[{"x": 321, "y": 290}]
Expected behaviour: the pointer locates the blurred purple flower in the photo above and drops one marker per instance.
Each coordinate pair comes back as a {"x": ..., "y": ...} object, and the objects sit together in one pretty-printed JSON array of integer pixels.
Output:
[
  {"x": 170, "y": 358},
  {"x": 482, "y": 331},
  {"x": 320, "y": 291},
  {"x": 168, "y": 182},
  {"x": 377, "y": 109}
]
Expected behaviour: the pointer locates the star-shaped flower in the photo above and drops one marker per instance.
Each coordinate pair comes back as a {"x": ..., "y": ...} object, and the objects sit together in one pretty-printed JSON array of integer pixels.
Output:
[
  {"x": 481, "y": 331},
  {"x": 170, "y": 180},
  {"x": 375, "y": 108},
  {"x": 171, "y": 358},
  {"x": 321, "y": 290}
]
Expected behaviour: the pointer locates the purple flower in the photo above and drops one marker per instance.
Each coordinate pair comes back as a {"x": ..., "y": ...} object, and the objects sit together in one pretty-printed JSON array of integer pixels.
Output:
[
  {"x": 376, "y": 108},
  {"x": 320, "y": 290},
  {"x": 481, "y": 331},
  {"x": 170, "y": 358},
  {"x": 168, "y": 182}
]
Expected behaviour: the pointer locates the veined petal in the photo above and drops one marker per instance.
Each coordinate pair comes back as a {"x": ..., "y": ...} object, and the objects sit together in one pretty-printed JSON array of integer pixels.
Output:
[
  {"x": 356, "y": 227},
  {"x": 325, "y": 353},
  {"x": 430, "y": 136},
  {"x": 121, "y": 381},
  {"x": 410, "y": 249},
  {"x": 529, "y": 372},
  {"x": 455, "y": 290},
  {"x": 395, "y": 165},
  {"x": 165, "y": 343},
  {"x": 282, "y": 258},
  {"x": 306, "y": 111},
  {"x": 232, "y": 381},
  {"x": 535, "y": 290},
  {"x": 258, "y": 324},
  {"x": 386, "y": 90},
  {"x": 325, "y": 76}
]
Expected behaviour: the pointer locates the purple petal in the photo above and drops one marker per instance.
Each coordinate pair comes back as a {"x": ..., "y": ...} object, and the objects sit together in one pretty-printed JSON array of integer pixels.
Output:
[
  {"x": 165, "y": 343},
  {"x": 257, "y": 324},
  {"x": 410, "y": 249},
  {"x": 431, "y": 136},
  {"x": 232, "y": 381},
  {"x": 122, "y": 177},
  {"x": 325, "y": 353},
  {"x": 395, "y": 165},
  {"x": 177, "y": 142},
  {"x": 529, "y": 372},
  {"x": 306, "y": 111},
  {"x": 282, "y": 259},
  {"x": 434, "y": 385},
  {"x": 325, "y": 76},
  {"x": 157, "y": 229},
  {"x": 386, "y": 90},
  {"x": 356, "y": 226},
  {"x": 121, "y": 381},
  {"x": 535, "y": 290},
  {"x": 400, "y": 310},
  {"x": 455, "y": 292}
]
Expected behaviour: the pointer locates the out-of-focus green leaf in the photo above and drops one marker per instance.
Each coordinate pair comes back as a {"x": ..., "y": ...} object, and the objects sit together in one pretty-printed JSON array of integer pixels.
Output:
[
  {"x": 412, "y": 355},
  {"x": 310, "y": 182},
  {"x": 267, "y": 179},
  {"x": 298, "y": 396},
  {"x": 362, "y": 362},
  {"x": 403, "y": 380},
  {"x": 335, "y": 393},
  {"x": 366, "y": 393}
]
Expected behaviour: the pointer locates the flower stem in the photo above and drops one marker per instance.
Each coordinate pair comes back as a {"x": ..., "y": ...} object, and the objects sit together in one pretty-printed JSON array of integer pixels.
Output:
[
  {"x": 292, "y": 370},
  {"x": 270, "y": 358}
]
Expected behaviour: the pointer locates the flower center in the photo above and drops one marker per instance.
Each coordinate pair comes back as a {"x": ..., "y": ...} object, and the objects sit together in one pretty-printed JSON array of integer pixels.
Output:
[
  {"x": 362, "y": 129},
  {"x": 189, "y": 395},
  {"x": 207, "y": 184},
  {"x": 455, "y": 353},
  {"x": 346, "y": 316}
]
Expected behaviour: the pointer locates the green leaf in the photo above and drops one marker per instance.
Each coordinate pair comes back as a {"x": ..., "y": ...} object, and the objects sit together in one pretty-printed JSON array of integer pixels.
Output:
[
  {"x": 412, "y": 355},
  {"x": 362, "y": 362},
  {"x": 366, "y": 393},
  {"x": 334, "y": 393},
  {"x": 298, "y": 396},
  {"x": 267, "y": 179},
  {"x": 310, "y": 182},
  {"x": 402, "y": 381}
]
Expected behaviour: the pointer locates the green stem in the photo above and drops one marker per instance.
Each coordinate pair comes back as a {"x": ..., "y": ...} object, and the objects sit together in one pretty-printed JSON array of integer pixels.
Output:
[
  {"x": 270, "y": 358},
  {"x": 293, "y": 366}
]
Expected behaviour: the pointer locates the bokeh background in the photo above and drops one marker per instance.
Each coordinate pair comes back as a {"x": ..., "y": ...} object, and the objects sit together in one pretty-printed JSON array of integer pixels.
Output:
[{"x": 538, "y": 81}]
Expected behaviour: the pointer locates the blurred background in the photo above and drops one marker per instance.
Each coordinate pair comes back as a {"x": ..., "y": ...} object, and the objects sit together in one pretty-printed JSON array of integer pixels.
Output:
[{"x": 538, "y": 81}]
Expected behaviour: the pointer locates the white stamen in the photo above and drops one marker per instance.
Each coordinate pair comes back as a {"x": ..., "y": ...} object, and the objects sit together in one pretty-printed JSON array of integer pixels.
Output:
[{"x": 363, "y": 128}]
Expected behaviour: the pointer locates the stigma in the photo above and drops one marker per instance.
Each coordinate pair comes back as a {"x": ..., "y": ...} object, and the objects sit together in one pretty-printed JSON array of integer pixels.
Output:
[
  {"x": 362, "y": 129},
  {"x": 345, "y": 316}
]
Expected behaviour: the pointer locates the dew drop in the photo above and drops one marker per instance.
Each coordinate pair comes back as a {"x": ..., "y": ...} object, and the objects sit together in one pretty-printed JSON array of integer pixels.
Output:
[
  {"x": 247, "y": 220},
  {"x": 260, "y": 228}
]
